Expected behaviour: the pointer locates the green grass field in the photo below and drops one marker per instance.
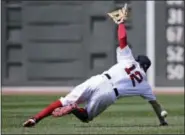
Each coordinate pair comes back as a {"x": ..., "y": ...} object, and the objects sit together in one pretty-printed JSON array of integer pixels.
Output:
[{"x": 127, "y": 116}]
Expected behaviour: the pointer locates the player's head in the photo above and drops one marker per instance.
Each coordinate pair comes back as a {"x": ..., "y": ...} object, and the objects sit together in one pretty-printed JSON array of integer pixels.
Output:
[{"x": 144, "y": 62}]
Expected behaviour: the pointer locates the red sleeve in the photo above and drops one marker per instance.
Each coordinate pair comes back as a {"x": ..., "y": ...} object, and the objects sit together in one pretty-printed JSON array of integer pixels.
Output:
[{"x": 122, "y": 36}]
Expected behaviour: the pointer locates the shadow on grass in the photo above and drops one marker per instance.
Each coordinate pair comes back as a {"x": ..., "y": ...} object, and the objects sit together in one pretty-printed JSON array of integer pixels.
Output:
[{"x": 117, "y": 126}]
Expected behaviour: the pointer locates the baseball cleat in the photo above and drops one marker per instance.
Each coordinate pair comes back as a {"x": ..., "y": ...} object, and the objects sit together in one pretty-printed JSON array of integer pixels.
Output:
[
  {"x": 29, "y": 123},
  {"x": 61, "y": 111}
]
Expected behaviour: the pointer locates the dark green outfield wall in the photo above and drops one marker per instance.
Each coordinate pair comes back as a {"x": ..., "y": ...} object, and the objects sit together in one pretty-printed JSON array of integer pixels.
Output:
[{"x": 64, "y": 42}]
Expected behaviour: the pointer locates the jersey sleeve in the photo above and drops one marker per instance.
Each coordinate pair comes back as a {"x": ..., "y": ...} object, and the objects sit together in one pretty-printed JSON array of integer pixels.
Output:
[
  {"x": 124, "y": 53},
  {"x": 122, "y": 36}
]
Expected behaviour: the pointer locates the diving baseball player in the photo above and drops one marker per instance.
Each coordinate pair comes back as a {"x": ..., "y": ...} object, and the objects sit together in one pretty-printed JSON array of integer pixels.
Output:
[{"x": 126, "y": 78}]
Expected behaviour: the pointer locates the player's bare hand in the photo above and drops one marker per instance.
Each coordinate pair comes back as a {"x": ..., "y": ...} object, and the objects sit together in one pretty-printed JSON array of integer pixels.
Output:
[
  {"x": 120, "y": 15},
  {"x": 163, "y": 124}
]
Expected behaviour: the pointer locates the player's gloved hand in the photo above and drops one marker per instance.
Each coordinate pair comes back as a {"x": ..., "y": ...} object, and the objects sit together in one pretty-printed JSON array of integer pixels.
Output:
[
  {"x": 120, "y": 15},
  {"x": 163, "y": 121}
]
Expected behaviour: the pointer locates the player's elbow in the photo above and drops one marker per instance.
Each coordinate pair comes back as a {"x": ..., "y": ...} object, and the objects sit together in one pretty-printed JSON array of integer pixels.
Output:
[{"x": 123, "y": 43}]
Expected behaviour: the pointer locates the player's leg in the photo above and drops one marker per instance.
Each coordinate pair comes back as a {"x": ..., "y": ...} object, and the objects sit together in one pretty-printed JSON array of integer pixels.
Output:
[
  {"x": 77, "y": 95},
  {"x": 80, "y": 113},
  {"x": 92, "y": 108},
  {"x": 61, "y": 111},
  {"x": 90, "y": 86},
  {"x": 44, "y": 113},
  {"x": 94, "y": 85},
  {"x": 100, "y": 101}
]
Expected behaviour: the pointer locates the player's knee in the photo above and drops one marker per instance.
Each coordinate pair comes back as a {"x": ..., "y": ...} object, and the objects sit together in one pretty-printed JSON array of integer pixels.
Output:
[
  {"x": 67, "y": 101},
  {"x": 63, "y": 101}
]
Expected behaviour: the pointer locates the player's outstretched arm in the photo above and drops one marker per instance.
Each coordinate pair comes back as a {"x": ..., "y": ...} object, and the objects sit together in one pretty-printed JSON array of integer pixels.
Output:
[
  {"x": 160, "y": 112},
  {"x": 119, "y": 16},
  {"x": 122, "y": 36}
]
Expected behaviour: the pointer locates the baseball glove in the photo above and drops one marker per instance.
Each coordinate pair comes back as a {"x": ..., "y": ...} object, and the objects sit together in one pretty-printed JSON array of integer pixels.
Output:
[{"x": 119, "y": 15}]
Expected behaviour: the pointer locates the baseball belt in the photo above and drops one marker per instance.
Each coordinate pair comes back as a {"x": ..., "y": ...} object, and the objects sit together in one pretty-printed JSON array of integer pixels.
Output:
[{"x": 115, "y": 89}]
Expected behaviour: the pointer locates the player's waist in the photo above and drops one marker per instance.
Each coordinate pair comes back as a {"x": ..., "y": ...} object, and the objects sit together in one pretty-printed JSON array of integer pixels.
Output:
[{"x": 115, "y": 89}]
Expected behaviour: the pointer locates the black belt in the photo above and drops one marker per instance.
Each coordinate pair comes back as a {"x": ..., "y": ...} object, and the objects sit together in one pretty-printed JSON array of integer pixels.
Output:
[
  {"x": 108, "y": 76},
  {"x": 115, "y": 89}
]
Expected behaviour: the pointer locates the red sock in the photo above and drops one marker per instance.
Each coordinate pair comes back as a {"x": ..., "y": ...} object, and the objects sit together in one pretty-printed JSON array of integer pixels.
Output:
[{"x": 48, "y": 110}]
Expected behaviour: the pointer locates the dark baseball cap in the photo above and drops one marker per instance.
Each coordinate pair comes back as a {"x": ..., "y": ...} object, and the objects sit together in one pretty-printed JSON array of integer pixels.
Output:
[{"x": 144, "y": 62}]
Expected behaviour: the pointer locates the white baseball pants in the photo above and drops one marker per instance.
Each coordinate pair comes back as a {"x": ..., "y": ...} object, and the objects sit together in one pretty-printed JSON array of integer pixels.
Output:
[{"x": 97, "y": 92}]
